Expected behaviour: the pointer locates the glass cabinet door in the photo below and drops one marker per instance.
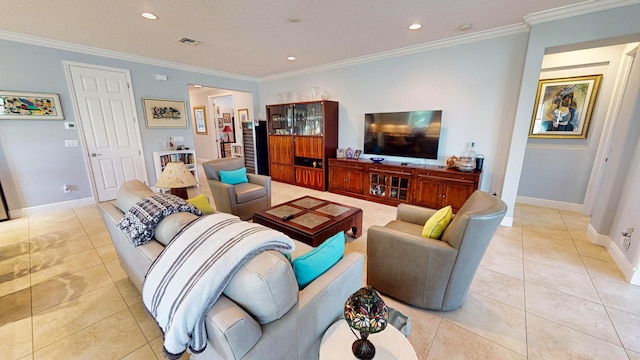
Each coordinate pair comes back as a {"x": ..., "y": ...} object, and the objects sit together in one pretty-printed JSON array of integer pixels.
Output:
[
  {"x": 280, "y": 119},
  {"x": 307, "y": 119}
]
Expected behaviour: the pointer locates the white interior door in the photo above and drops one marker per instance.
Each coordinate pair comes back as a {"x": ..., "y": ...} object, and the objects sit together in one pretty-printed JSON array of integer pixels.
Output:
[{"x": 104, "y": 101}]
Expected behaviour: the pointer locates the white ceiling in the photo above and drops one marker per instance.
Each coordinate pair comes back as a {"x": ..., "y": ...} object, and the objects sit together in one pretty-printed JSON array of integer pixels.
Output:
[{"x": 253, "y": 38}]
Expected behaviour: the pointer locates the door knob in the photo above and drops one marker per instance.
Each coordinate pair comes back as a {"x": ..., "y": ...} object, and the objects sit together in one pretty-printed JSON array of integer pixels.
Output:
[{"x": 94, "y": 154}]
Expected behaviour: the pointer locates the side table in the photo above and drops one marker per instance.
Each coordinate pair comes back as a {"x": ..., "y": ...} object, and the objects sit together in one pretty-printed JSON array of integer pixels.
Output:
[{"x": 390, "y": 344}]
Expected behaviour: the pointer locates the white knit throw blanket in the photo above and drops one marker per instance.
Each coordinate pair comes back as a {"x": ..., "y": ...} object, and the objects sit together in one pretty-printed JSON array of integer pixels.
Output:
[{"x": 190, "y": 274}]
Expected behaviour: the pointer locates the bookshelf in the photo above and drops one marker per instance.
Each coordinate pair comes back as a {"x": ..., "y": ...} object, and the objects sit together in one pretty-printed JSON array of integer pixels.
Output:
[{"x": 162, "y": 158}]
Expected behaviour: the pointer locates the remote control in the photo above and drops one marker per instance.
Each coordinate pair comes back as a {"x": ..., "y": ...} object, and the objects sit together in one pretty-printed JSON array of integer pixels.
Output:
[{"x": 287, "y": 217}]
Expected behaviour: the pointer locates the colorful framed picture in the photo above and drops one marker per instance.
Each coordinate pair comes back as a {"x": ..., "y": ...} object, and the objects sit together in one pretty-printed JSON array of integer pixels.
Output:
[
  {"x": 220, "y": 124},
  {"x": 356, "y": 155},
  {"x": 226, "y": 118},
  {"x": 159, "y": 113},
  {"x": 564, "y": 106},
  {"x": 30, "y": 106},
  {"x": 340, "y": 154},
  {"x": 200, "y": 119},
  {"x": 243, "y": 115}
]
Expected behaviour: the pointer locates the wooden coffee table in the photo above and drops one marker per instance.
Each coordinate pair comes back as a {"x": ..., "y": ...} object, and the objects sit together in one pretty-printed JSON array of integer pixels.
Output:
[{"x": 314, "y": 220}]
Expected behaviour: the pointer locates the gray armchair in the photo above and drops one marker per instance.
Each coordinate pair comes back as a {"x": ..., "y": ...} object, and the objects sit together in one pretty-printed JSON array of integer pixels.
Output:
[
  {"x": 428, "y": 273},
  {"x": 242, "y": 200}
]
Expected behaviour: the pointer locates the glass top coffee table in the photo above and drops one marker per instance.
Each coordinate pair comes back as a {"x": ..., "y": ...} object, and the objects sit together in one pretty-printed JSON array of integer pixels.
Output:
[{"x": 311, "y": 220}]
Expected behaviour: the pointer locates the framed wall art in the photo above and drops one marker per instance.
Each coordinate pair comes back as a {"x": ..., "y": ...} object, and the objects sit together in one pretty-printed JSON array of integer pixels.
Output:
[
  {"x": 30, "y": 106},
  {"x": 200, "y": 118},
  {"x": 226, "y": 117},
  {"x": 564, "y": 106},
  {"x": 159, "y": 113},
  {"x": 243, "y": 115}
]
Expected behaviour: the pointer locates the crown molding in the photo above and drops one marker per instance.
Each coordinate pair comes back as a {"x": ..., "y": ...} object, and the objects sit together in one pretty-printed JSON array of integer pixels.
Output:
[
  {"x": 61, "y": 45},
  {"x": 453, "y": 41},
  {"x": 568, "y": 11}
]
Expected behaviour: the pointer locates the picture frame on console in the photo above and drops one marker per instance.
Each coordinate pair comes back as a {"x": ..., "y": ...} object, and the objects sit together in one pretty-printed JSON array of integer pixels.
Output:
[
  {"x": 340, "y": 154},
  {"x": 16, "y": 105},
  {"x": 356, "y": 155},
  {"x": 564, "y": 106}
]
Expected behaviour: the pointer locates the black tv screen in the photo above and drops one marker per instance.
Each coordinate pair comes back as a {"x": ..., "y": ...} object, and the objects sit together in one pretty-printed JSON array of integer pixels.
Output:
[{"x": 408, "y": 134}]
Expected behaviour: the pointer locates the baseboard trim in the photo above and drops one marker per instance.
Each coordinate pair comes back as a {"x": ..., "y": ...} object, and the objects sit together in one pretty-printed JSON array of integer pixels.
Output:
[
  {"x": 507, "y": 221},
  {"x": 560, "y": 205},
  {"x": 41, "y": 209},
  {"x": 619, "y": 258}
]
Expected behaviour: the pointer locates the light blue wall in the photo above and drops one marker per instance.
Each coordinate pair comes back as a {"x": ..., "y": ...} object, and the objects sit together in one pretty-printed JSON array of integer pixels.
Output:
[
  {"x": 34, "y": 164},
  {"x": 620, "y": 25},
  {"x": 475, "y": 84}
]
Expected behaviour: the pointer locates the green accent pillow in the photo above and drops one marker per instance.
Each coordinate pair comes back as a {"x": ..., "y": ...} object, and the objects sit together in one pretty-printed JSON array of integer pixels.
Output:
[
  {"x": 317, "y": 261},
  {"x": 202, "y": 203},
  {"x": 233, "y": 177},
  {"x": 434, "y": 227}
]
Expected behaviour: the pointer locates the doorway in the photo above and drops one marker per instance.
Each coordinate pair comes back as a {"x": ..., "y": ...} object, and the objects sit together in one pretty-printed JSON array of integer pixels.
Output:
[
  {"x": 104, "y": 104},
  {"x": 223, "y": 108},
  {"x": 565, "y": 173}
]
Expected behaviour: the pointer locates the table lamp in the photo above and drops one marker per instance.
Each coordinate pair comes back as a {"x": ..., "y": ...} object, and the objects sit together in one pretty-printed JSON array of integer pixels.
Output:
[
  {"x": 227, "y": 130},
  {"x": 366, "y": 312},
  {"x": 177, "y": 177}
]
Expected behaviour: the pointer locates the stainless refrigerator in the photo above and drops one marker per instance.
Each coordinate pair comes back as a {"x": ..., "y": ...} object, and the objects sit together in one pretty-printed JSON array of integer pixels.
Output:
[{"x": 4, "y": 212}]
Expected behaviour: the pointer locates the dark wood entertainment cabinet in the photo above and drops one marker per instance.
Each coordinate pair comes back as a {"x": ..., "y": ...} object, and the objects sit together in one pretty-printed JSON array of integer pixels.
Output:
[{"x": 391, "y": 183}]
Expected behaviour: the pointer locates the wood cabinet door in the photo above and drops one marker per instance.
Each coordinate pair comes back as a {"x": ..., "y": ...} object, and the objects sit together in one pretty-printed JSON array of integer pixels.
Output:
[
  {"x": 281, "y": 149},
  {"x": 312, "y": 178},
  {"x": 455, "y": 193},
  {"x": 279, "y": 172},
  {"x": 308, "y": 146},
  {"x": 337, "y": 177},
  {"x": 428, "y": 192},
  {"x": 355, "y": 181}
]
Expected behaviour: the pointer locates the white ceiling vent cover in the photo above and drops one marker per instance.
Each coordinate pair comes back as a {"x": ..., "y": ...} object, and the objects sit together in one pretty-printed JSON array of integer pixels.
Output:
[{"x": 188, "y": 41}]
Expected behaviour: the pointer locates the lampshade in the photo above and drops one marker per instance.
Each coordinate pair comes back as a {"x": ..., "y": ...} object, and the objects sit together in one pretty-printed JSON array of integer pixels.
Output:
[
  {"x": 365, "y": 312},
  {"x": 176, "y": 175},
  {"x": 227, "y": 129}
]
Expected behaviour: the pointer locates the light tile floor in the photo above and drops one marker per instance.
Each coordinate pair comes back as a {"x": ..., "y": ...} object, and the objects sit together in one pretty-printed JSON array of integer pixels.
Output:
[{"x": 543, "y": 291}]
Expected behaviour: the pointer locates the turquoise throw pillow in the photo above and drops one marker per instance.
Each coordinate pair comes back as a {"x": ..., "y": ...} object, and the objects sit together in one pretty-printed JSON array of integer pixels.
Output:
[
  {"x": 314, "y": 263},
  {"x": 233, "y": 177}
]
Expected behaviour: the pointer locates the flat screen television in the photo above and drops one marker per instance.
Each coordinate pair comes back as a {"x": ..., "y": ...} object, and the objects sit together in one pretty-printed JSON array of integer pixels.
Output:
[{"x": 408, "y": 134}]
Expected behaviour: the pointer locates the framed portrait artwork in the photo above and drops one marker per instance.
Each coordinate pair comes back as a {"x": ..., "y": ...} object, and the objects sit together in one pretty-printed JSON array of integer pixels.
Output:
[
  {"x": 563, "y": 107},
  {"x": 30, "y": 106},
  {"x": 341, "y": 154},
  {"x": 159, "y": 113},
  {"x": 200, "y": 118},
  {"x": 243, "y": 115},
  {"x": 356, "y": 155},
  {"x": 226, "y": 118}
]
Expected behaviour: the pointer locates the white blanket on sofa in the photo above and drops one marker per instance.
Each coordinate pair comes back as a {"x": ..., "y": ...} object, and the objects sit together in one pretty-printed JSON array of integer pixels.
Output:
[{"x": 190, "y": 274}]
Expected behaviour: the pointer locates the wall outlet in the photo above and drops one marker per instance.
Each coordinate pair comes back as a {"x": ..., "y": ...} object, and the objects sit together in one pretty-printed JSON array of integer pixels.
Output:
[{"x": 66, "y": 188}]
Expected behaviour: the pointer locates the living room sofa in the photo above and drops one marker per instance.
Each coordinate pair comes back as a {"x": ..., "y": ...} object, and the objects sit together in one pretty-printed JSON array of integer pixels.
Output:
[{"x": 262, "y": 313}]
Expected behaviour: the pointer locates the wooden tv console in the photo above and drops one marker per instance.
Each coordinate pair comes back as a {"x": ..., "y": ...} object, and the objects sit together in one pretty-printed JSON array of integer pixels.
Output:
[{"x": 392, "y": 183}]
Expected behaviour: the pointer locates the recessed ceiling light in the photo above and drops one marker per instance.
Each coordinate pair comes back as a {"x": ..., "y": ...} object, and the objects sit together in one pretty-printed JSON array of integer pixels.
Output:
[
  {"x": 197, "y": 86},
  {"x": 414, "y": 26},
  {"x": 291, "y": 58},
  {"x": 293, "y": 20},
  {"x": 149, "y": 16},
  {"x": 464, "y": 27}
]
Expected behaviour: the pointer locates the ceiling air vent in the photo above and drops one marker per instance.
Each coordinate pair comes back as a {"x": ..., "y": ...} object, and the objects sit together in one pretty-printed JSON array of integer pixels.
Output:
[{"x": 188, "y": 41}]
